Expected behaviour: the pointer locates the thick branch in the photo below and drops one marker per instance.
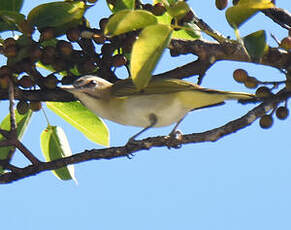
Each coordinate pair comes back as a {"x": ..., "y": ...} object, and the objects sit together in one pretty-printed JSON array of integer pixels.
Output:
[
  {"x": 148, "y": 143},
  {"x": 229, "y": 51},
  {"x": 39, "y": 95}
]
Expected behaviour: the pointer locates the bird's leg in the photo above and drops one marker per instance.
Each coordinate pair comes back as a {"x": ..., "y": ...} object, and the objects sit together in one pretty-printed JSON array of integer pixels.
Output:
[
  {"x": 153, "y": 121},
  {"x": 174, "y": 130},
  {"x": 175, "y": 136}
]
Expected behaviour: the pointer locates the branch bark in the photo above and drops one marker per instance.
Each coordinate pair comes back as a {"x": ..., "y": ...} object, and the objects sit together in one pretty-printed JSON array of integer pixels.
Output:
[
  {"x": 280, "y": 16},
  {"x": 275, "y": 57}
]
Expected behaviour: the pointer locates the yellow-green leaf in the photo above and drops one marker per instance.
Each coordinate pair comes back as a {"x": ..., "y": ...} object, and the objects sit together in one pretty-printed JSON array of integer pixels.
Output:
[
  {"x": 129, "y": 20},
  {"x": 147, "y": 51},
  {"x": 121, "y": 5},
  {"x": 178, "y": 10},
  {"x": 56, "y": 14},
  {"x": 82, "y": 119},
  {"x": 238, "y": 14},
  {"x": 255, "y": 44},
  {"x": 54, "y": 145},
  {"x": 189, "y": 31},
  {"x": 22, "y": 122}
]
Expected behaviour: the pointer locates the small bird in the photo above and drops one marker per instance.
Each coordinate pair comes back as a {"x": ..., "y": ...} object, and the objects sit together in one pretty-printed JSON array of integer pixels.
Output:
[{"x": 162, "y": 103}]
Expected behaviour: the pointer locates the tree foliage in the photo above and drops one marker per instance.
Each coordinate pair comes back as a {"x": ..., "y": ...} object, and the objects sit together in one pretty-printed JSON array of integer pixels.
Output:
[{"x": 134, "y": 36}]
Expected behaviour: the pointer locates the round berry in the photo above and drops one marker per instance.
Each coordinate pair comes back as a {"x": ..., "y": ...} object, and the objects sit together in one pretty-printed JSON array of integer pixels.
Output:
[
  {"x": 35, "y": 106},
  {"x": 22, "y": 107},
  {"x": 266, "y": 121},
  {"x": 26, "y": 82},
  {"x": 282, "y": 113},
  {"x": 240, "y": 75},
  {"x": 64, "y": 47},
  {"x": 221, "y": 4},
  {"x": 9, "y": 42},
  {"x": 50, "y": 81},
  {"x": 119, "y": 60},
  {"x": 286, "y": 43},
  {"x": 73, "y": 34},
  {"x": 251, "y": 83},
  {"x": 47, "y": 34},
  {"x": 263, "y": 91}
]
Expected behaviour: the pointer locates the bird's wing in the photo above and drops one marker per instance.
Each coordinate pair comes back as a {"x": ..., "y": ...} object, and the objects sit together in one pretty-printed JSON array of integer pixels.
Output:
[{"x": 125, "y": 88}]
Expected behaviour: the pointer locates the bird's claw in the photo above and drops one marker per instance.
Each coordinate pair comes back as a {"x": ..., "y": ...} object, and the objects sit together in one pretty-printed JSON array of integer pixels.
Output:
[
  {"x": 130, "y": 155},
  {"x": 174, "y": 139}
]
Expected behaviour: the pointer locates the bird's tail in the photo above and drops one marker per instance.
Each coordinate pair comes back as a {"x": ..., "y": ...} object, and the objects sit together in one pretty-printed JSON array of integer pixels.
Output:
[
  {"x": 207, "y": 97},
  {"x": 236, "y": 95}
]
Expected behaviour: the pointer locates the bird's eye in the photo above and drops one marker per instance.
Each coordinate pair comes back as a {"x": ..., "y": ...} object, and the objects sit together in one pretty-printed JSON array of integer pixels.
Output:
[{"x": 92, "y": 83}]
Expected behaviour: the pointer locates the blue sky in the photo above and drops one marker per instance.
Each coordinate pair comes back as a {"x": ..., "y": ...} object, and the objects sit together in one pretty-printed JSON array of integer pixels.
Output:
[{"x": 243, "y": 181}]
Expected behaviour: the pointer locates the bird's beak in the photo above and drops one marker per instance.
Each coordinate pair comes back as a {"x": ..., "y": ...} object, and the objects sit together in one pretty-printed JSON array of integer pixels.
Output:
[{"x": 69, "y": 88}]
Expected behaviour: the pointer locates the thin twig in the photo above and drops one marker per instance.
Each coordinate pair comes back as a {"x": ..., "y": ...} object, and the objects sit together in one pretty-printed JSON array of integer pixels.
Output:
[
  {"x": 13, "y": 124},
  {"x": 280, "y": 16},
  {"x": 209, "y": 31},
  {"x": 26, "y": 152}
]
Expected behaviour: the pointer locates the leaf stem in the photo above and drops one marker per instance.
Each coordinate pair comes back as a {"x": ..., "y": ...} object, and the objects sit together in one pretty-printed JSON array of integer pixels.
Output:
[{"x": 46, "y": 117}]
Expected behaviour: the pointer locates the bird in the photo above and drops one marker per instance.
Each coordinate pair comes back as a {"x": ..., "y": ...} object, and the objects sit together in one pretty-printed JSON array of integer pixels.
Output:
[{"x": 161, "y": 103}]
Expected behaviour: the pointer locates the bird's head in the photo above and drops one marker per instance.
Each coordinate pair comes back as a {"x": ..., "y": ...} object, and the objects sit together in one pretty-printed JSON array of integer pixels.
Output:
[{"x": 89, "y": 85}]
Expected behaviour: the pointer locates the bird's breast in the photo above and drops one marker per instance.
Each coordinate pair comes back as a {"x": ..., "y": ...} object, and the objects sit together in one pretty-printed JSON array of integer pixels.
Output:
[{"x": 136, "y": 110}]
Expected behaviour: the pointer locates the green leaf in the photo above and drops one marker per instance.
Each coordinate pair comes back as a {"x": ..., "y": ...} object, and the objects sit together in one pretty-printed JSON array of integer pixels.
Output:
[
  {"x": 255, "y": 44},
  {"x": 189, "y": 31},
  {"x": 57, "y": 14},
  {"x": 22, "y": 122},
  {"x": 244, "y": 9},
  {"x": 11, "y": 5},
  {"x": 178, "y": 9},
  {"x": 9, "y": 20},
  {"x": 54, "y": 145},
  {"x": 128, "y": 20},
  {"x": 121, "y": 5},
  {"x": 146, "y": 52},
  {"x": 82, "y": 119}
]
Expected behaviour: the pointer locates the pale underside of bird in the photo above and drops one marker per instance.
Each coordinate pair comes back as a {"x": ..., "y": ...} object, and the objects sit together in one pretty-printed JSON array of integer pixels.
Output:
[{"x": 162, "y": 103}]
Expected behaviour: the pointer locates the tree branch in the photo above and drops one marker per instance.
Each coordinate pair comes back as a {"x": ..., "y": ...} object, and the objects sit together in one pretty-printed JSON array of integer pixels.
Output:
[
  {"x": 198, "y": 67},
  {"x": 280, "y": 16},
  {"x": 148, "y": 143},
  {"x": 39, "y": 95},
  {"x": 229, "y": 51}
]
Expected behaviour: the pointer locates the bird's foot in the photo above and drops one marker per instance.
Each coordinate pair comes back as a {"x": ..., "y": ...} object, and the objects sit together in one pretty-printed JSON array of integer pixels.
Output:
[
  {"x": 174, "y": 139},
  {"x": 130, "y": 143},
  {"x": 130, "y": 155}
]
